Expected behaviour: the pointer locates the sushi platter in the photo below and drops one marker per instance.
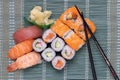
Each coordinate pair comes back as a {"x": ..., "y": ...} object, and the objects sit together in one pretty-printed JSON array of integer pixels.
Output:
[
  {"x": 69, "y": 42},
  {"x": 50, "y": 42}
]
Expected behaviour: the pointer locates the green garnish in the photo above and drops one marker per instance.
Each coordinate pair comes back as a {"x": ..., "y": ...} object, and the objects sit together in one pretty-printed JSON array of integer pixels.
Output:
[
  {"x": 43, "y": 26},
  {"x": 66, "y": 52},
  {"x": 36, "y": 45}
]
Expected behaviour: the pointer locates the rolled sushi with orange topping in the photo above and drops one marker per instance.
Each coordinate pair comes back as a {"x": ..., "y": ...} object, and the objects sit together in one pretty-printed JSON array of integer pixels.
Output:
[
  {"x": 67, "y": 52},
  {"x": 58, "y": 62},
  {"x": 48, "y": 36},
  {"x": 39, "y": 45},
  {"x": 74, "y": 41},
  {"x": 60, "y": 28}
]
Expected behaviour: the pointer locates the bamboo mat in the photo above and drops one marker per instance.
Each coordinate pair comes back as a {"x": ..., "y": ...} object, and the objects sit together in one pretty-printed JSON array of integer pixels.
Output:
[{"x": 105, "y": 14}]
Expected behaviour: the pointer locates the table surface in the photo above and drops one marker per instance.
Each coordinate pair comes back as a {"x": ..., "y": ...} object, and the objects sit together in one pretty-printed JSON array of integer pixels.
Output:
[{"x": 104, "y": 13}]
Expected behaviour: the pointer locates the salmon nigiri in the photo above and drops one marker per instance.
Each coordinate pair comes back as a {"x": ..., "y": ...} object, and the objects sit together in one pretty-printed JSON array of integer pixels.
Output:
[
  {"x": 20, "y": 49},
  {"x": 25, "y": 61}
]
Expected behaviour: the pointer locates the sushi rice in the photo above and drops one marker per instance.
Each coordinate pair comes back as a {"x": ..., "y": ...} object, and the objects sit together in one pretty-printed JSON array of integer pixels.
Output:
[
  {"x": 48, "y": 54},
  {"x": 67, "y": 52},
  {"x": 49, "y": 36},
  {"x": 58, "y": 62},
  {"x": 39, "y": 45},
  {"x": 57, "y": 44}
]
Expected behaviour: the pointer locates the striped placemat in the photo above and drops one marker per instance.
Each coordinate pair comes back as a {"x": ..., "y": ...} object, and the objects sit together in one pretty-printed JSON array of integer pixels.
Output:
[{"x": 105, "y": 14}]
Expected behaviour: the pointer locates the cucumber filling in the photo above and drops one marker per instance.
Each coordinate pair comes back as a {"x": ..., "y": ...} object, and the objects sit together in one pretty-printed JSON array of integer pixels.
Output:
[
  {"x": 48, "y": 54},
  {"x": 57, "y": 44},
  {"x": 38, "y": 45}
]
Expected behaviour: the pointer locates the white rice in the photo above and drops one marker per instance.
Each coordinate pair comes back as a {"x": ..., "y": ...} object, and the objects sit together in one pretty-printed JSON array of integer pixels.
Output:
[
  {"x": 55, "y": 60},
  {"x": 48, "y": 54},
  {"x": 57, "y": 44},
  {"x": 39, "y": 45},
  {"x": 69, "y": 54},
  {"x": 46, "y": 33}
]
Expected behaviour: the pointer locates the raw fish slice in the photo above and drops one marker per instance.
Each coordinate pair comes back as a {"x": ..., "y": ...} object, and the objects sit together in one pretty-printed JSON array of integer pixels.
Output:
[
  {"x": 27, "y": 33},
  {"x": 20, "y": 49}
]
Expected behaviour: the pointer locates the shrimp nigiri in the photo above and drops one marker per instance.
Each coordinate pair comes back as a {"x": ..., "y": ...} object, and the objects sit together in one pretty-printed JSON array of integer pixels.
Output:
[
  {"x": 20, "y": 49},
  {"x": 28, "y": 60}
]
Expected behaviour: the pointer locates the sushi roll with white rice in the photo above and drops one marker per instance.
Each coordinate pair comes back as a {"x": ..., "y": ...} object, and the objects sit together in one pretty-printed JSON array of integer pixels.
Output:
[
  {"x": 57, "y": 44},
  {"x": 67, "y": 52},
  {"x": 49, "y": 36},
  {"x": 48, "y": 54},
  {"x": 39, "y": 45},
  {"x": 58, "y": 62}
]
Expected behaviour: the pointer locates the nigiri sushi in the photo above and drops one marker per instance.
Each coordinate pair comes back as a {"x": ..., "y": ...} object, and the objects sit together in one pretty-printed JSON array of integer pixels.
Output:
[
  {"x": 25, "y": 61},
  {"x": 23, "y": 34},
  {"x": 20, "y": 49}
]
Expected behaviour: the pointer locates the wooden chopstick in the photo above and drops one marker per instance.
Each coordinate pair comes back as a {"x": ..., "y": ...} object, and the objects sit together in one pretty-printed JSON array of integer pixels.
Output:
[
  {"x": 114, "y": 74},
  {"x": 90, "y": 52}
]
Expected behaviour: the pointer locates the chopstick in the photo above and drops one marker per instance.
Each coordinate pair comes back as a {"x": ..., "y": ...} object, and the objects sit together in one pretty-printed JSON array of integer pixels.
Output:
[
  {"x": 90, "y": 55},
  {"x": 114, "y": 74},
  {"x": 90, "y": 52}
]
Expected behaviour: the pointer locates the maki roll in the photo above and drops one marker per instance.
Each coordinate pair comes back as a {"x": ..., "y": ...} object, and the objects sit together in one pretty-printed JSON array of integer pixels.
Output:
[
  {"x": 58, "y": 62},
  {"x": 48, "y": 54},
  {"x": 49, "y": 36},
  {"x": 68, "y": 53},
  {"x": 39, "y": 45},
  {"x": 57, "y": 44}
]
